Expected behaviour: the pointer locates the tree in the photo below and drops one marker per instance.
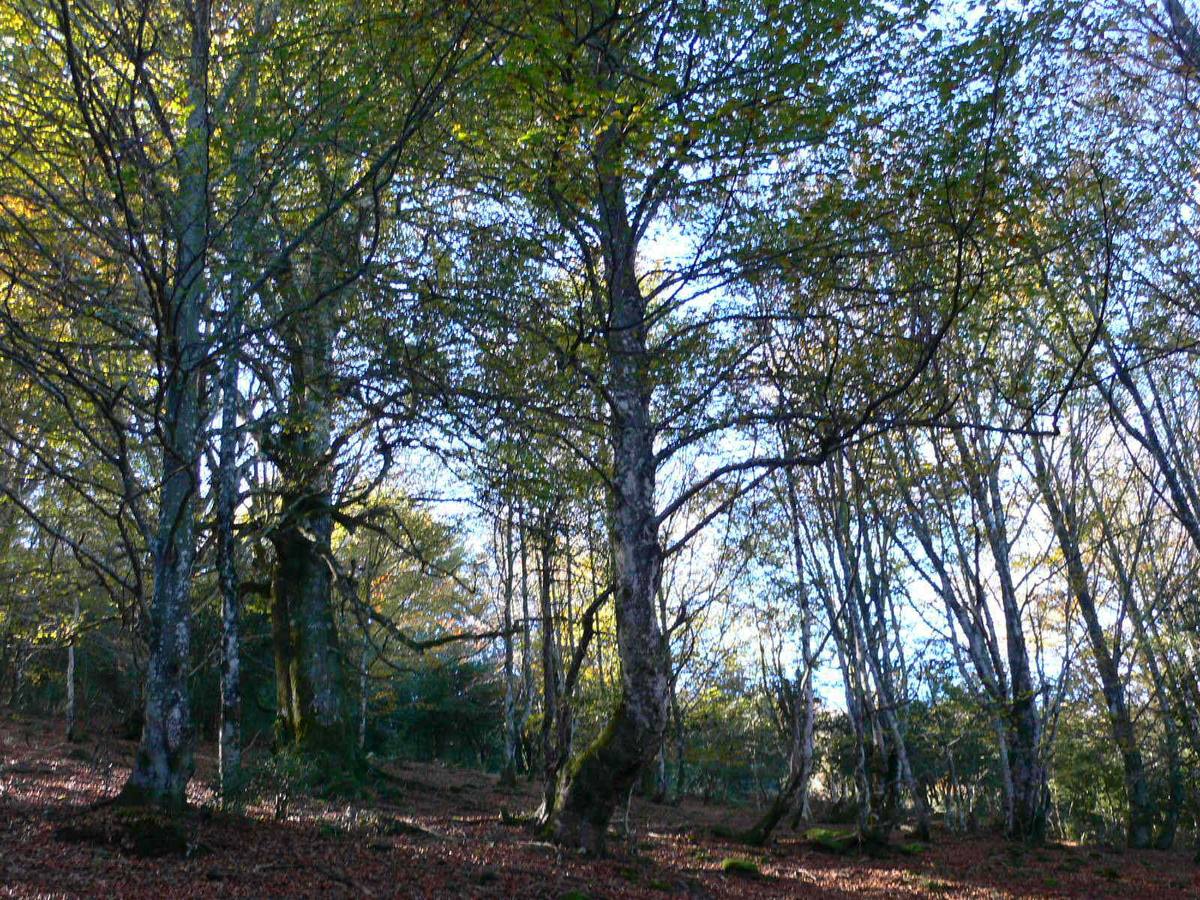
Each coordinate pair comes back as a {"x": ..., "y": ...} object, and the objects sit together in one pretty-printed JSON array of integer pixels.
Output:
[{"x": 632, "y": 119}]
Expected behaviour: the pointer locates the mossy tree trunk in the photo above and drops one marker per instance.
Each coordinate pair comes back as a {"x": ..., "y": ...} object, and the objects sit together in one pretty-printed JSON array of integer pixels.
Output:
[
  {"x": 603, "y": 775},
  {"x": 309, "y": 669},
  {"x": 315, "y": 715}
]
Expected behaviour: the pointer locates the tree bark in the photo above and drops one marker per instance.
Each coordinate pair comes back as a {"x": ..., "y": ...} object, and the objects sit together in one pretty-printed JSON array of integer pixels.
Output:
[
  {"x": 315, "y": 707},
  {"x": 604, "y": 774},
  {"x": 556, "y": 715},
  {"x": 1027, "y": 771},
  {"x": 310, "y": 674},
  {"x": 71, "y": 734},
  {"x": 1165, "y": 838},
  {"x": 164, "y": 761},
  {"x": 793, "y": 794},
  {"x": 230, "y": 742},
  {"x": 508, "y": 770}
]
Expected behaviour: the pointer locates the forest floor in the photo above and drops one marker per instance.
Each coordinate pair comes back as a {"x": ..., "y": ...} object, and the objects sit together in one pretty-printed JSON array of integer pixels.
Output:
[{"x": 438, "y": 832}]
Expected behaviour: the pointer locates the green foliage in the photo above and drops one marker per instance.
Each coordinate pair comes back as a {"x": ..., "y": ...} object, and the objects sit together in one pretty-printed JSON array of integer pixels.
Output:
[
  {"x": 723, "y": 722},
  {"x": 284, "y": 773},
  {"x": 444, "y": 709},
  {"x": 1087, "y": 783}
]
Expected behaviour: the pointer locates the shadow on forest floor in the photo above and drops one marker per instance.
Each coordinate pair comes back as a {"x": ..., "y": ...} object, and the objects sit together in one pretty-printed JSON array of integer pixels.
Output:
[{"x": 439, "y": 832}]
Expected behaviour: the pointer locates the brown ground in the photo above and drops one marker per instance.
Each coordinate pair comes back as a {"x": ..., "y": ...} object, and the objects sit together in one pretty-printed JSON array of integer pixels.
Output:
[{"x": 438, "y": 833}]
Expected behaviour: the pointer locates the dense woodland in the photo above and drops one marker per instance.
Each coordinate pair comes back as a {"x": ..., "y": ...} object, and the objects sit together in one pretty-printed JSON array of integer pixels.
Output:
[{"x": 791, "y": 406}]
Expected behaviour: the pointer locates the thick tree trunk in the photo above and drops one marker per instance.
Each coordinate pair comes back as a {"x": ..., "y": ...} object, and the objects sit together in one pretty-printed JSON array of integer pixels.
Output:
[
  {"x": 1027, "y": 774},
  {"x": 164, "y": 762},
  {"x": 310, "y": 673},
  {"x": 281, "y": 647},
  {"x": 604, "y": 774},
  {"x": 302, "y": 585},
  {"x": 1007, "y": 792}
]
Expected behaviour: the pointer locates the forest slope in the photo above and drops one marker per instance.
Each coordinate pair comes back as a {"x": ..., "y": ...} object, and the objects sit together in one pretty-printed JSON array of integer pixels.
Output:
[{"x": 433, "y": 831}]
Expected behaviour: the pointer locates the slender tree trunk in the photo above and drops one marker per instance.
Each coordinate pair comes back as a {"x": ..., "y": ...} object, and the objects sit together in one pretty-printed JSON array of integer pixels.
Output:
[
  {"x": 364, "y": 687},
  {"x": 1026, "y": 767},
  {"x": 230, "y": 745},
  {"x": 508, "y": 771},
  {"x": 793, "y": 794},
  {"x": 1176, "y": 795},
  {"x": 526, "y": 642},
  {"x": 164, "y": 762},
  {"x": 228, "y": 472},
  {"x": 556, "y": 722},
  {"x": 71, "y": 734},
  {"x": 1063, "y": 519},
  {"x": 680, "y": 747}
]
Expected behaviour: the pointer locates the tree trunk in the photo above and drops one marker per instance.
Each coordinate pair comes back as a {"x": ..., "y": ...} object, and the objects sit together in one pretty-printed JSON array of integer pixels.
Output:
[
  {"x": 793, "y": 794},
  {"x": 281, "y": 647},
  {"x": 316, "y": 717},
  {"x": 1024, "y": 728},
  {"x": 164, "y": 762},
  {"x": 604, "y": 774},
  {"x": 680, "y": 747},
  {"x": 230, "y": 744},
  {"x": 364, "y": 685},
  {"x": 1165, "y": 839},
  {"x": 71, "y": 735},
  {"x": 508, "y": 770},
  {"x": 554, "y": 749},
  {"x": 526, "y": 643},
  {"x": 302, "y": 585},
  {"x": 1063, "y": 519}
]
